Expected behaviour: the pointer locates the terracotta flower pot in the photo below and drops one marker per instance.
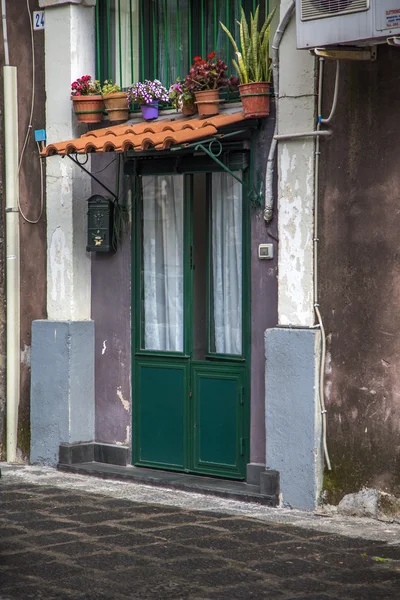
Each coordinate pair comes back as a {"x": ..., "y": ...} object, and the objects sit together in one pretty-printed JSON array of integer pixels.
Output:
[
  {"x": 117, "y": 106},
  {"x": 207, "y": 102},
  {"x": 88, "y": 109},
  {"x": 255, "y": 99},
  {"x": 189, "y": 109}
]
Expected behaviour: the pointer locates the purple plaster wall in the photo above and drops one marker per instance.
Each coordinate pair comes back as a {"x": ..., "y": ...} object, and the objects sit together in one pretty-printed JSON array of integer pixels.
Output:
[
  {"x": 359, "y": 273},
  {"x": 264, "y": 298},
  {"x": 111, "y": 312}
]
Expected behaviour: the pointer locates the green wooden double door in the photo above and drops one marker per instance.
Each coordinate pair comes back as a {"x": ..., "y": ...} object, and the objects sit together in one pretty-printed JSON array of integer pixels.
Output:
[{"x": 190, "y": 375}]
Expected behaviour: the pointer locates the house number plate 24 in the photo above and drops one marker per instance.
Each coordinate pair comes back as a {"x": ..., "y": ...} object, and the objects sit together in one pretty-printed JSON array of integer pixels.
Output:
[{"x": 38, "y": 19}]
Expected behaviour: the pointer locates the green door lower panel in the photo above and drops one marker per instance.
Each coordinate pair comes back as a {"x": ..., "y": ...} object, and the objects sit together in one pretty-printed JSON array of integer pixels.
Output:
[
  {"x": 161, "y": 389},
  {"x": 219, "y": 420}
]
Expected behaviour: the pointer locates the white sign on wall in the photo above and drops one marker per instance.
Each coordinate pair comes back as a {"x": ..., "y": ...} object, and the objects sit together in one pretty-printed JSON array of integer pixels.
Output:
[{"x": 38, "y": 19}]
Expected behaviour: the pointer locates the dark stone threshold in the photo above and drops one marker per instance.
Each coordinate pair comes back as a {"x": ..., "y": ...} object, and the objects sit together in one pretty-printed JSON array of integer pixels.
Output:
[
  {"x": 85, "y": 452},
  {"x": 234, "y": 490}
]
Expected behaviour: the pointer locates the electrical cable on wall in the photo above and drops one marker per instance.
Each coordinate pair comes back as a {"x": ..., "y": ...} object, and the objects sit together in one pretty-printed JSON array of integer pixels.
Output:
[
  {"x": 29, "y": 129},
  {"x": 322, "y": 121}
]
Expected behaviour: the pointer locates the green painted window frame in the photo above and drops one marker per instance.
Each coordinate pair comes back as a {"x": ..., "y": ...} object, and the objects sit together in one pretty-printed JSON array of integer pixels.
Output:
[
  {"x": 212, "y": 355},
  {"x": 147, "y": 46},
  {"x": 137, "y": 295}
]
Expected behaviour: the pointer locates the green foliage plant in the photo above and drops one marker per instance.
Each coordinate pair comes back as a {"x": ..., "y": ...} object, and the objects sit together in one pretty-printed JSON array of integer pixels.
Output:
[
  {"x": 109, "y": 87},
  {"x": 253, "y": 62}
]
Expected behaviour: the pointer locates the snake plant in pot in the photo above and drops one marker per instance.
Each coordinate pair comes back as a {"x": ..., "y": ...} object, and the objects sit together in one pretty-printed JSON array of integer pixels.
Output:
[{"x": 253, "y": 64}]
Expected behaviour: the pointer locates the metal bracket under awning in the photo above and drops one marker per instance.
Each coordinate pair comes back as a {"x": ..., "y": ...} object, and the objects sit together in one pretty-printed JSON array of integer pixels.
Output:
[
  {"x": 76, "y": 161},
  {"x": 253, "y": 195}
]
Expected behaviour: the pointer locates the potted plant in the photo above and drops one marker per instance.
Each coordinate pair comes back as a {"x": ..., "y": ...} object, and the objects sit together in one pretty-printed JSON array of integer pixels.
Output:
[
  {"x": 204, "y": 80},
  {"x": 87, "y": 99},
  {"x": 115, "y": 101},
  {"x": 148, "y": 94},
  {"x": 253, "y": 63},
  {"x": 181, "y": 98}
]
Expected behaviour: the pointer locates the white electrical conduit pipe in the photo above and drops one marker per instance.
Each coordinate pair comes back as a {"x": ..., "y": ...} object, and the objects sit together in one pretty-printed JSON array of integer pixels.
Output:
[
  {"x": 292, "y": 136},
  {"x": 5, "y": 36},
  {"x": 269, "y": 177},
  {"x": 12, "y": 257},
  {"x": 12, "y": 245},
  {"x": 321, "y": 121}
]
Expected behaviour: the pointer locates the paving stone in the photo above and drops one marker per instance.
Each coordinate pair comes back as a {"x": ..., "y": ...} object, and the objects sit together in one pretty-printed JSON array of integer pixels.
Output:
[
  {"x": 7, "y": 531},
  {"x": 139, "y": 522},
  {"x": 50, "y": 539},
  {"x": 186, "y": 532},
  {"x": 108, "y": 534},
  {"x": 126, "y": 539},
  {"x": 370, "y": 593},
  {"x": 242, "y": 592},
  {"x": 167, "y": 551},
  {"x": 106, "y": 561},
  {"x": 286, "y": 568},
  {"x": 21, "y": 559},
  {"x": 78, "y": 548}
]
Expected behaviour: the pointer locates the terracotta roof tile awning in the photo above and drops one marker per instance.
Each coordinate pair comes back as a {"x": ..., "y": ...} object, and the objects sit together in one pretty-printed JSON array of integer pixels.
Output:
[{"x": 157, "y": 135}]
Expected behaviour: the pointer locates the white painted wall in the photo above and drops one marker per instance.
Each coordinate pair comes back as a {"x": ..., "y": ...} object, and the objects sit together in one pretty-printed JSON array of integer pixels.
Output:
[
  {"x": 69, "y": 53},
  {"x": 296, "y": 181}
]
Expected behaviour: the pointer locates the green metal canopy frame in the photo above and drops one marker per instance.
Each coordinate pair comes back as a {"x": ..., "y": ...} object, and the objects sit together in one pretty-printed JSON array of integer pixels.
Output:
[{"x": 206, "y": 146}]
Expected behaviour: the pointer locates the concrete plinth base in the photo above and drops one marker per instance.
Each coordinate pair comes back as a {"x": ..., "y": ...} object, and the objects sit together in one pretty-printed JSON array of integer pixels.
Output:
[
  {"x": 293, "y": 415},
  {"x": 62, "y": 387}
]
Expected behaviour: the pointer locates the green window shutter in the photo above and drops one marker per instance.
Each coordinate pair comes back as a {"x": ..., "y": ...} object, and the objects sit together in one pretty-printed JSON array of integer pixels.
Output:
[{"x": 170, "y": 32}]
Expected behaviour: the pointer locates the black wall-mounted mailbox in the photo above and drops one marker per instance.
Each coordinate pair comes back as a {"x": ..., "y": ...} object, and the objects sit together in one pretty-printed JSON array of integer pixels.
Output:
[{"x": 100, "y": 224}]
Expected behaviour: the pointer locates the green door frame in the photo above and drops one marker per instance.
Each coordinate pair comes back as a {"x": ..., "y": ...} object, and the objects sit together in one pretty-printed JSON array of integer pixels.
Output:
[{"x": 230, "y": 367}]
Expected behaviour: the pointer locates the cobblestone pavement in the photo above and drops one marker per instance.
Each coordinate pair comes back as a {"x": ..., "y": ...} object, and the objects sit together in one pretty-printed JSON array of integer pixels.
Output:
[{"x": 60, "y": 543}]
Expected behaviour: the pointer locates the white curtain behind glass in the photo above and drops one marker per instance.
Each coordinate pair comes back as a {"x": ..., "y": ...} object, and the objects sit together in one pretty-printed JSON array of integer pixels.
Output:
[
  {"x": 163, "y": 262},
  {"x": 127, "y": 69},
  {"x": 227, "y": 263}
]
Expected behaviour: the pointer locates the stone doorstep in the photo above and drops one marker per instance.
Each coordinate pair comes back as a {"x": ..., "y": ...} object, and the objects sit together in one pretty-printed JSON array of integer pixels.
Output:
[
  {"x": 223, "y": 488},
  {"x": 110, "y": 461}
]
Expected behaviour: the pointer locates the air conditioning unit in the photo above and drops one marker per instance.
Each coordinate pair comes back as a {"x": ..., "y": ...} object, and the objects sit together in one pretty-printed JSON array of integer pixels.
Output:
[{"x": 356, "y": 22}]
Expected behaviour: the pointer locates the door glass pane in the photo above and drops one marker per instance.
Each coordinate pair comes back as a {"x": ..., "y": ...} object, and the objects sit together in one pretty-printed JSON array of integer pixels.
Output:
[
  {"x": 162, "y": 263},
  {"x": 226, "y": 265}
]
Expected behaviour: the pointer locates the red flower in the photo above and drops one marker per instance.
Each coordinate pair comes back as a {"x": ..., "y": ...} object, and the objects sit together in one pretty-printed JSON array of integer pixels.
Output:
[
  {"x": 197, "y": 58},
  {"x": 211, "y": 55}
]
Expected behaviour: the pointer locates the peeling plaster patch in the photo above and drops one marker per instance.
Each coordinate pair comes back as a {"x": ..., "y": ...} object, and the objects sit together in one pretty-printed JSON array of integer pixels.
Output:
[
  {"x": 328, "y": 363},
  {"x": 26, "y": 356},
  {"x": 59, "y": 257},
  {"x": 310, "y": 175},
  {"x": 296, "y": 235},
  {"x": 125, "y": 403},
  {"x": 328, "y": 389},
  {"x": 66, "y": 182},
  {"x": 103, "y": 350},
  {"x": 128, "y": 435}
]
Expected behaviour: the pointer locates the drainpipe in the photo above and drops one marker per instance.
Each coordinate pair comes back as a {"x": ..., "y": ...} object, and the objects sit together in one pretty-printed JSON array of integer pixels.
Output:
[
  {"x": 12, "y": 246},
  {"x": 269, "y": 178}
]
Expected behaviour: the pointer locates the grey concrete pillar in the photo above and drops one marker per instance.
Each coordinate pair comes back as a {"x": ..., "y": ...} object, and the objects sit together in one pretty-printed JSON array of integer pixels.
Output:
[
  {"x": 293, "y": 415},
  {"x": 62, "y": 387}
]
